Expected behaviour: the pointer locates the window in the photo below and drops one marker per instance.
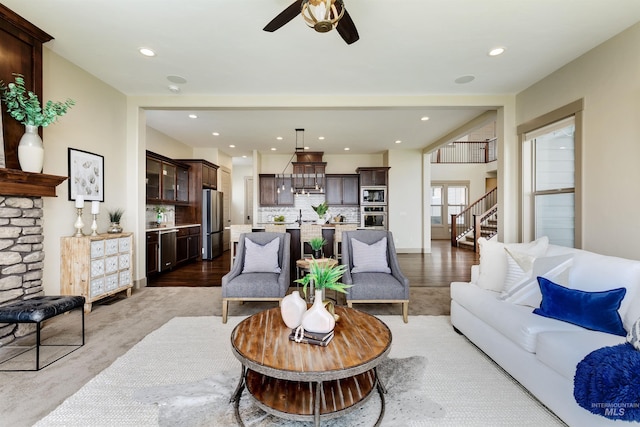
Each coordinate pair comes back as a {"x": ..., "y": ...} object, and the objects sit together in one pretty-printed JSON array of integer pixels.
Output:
[
  {"x": 447, "y": 198},
  {"x": 549, "y": 182}
]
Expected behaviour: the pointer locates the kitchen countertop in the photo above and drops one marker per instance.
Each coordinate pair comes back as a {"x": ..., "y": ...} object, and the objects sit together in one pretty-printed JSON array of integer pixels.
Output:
[
  {"x": 171, "y": 227},
  {"x": 295, "y": 226}
]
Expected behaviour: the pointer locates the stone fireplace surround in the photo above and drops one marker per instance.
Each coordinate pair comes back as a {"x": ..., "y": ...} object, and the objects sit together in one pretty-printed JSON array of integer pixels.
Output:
[
  {"x": 21, "y": 241},
  {"x": 21, "y": 257}
]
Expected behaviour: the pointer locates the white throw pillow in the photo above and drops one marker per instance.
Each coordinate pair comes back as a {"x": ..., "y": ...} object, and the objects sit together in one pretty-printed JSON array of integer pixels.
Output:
[
  {"x": 493, "y": 260},
  {"x": 519, "y": 266},
  {"x": 370, "y": 258},
  {"x": 261, "y": 258},
  {"x": 526, "y": 291},
  {"x": 633, "y": 337}
]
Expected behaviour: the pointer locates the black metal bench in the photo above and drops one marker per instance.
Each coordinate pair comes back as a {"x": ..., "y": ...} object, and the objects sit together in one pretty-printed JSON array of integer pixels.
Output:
[{"x": 36, "y": 310}]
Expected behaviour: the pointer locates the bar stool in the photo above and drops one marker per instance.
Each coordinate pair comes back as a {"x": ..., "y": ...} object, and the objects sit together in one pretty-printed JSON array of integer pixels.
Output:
[
  {"x": 275, "y": 228},
  {"x": 236, "y": 231},
  {"x": 308, "y": 232},
  {"x": 337, "y": 238}
]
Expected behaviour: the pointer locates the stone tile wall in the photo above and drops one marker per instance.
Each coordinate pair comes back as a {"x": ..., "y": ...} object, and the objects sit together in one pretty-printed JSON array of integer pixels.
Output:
[{"x": 21, "y": 257}]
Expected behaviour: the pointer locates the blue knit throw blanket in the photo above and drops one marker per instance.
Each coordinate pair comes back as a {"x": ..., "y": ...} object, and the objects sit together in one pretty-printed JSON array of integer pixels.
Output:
[{"x": 607, "y": 382}]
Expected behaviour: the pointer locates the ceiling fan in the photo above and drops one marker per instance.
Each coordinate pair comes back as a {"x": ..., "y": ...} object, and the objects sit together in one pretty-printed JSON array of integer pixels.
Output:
[{"x": 321, "y": 15}]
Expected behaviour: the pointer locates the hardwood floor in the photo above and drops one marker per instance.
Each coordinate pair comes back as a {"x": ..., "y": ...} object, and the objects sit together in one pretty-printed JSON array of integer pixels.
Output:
[{"x": 438, "y": 269}]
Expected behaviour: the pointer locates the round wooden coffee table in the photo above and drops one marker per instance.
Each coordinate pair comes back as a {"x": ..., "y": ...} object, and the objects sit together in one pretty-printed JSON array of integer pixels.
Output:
[{"x": 307, "y": 382}]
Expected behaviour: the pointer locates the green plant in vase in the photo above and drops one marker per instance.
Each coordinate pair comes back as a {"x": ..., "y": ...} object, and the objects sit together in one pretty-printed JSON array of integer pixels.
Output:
[
  {"x": 317, "y": 243},
  {"x": 115, "y": 216},
  {"x": 324, "y": 277},
  {"x": 24, "y": 106},
  {"x": 321, "y": 210}
]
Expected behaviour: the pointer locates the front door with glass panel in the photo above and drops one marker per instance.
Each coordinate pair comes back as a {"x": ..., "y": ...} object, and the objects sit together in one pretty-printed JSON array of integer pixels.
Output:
[{"x": 446, "y": 198}]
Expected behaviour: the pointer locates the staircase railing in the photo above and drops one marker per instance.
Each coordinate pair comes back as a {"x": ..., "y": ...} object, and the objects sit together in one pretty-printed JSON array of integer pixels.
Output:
[
  {"x": 462, "y": 223},
  {"x": 485, "y": 225}
]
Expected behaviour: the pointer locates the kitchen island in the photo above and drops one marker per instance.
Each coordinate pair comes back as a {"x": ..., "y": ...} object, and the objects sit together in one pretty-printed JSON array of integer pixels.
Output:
[{"x": 294, "y": 230}]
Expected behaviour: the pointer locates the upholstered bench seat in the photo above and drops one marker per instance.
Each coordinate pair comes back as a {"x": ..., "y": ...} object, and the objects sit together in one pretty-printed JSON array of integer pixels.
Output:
[{"x": 36, "y": 310}]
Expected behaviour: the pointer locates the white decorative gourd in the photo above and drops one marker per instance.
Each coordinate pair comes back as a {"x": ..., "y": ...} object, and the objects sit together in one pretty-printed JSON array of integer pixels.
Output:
[{"x": 292, "y": 308}]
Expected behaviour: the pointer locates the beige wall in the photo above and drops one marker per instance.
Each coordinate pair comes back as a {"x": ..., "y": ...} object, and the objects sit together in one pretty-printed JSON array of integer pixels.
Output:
[
  {"x": 163, "y": 144},
  {"x": 406, "y": 201},
  {"x": 608, "y": 78},
  {"x": 95, "y": 124}
]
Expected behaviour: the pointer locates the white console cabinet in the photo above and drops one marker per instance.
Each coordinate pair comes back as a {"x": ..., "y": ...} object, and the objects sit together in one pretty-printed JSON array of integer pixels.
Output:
[{"x": 96, "y": 267}]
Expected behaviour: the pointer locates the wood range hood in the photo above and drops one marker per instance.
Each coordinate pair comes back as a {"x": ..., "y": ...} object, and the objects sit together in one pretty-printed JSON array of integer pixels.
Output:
[{"x": 15, "y": 182}]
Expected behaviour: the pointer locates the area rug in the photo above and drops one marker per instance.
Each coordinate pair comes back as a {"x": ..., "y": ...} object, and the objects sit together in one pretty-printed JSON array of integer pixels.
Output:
[{"x": 184, "y": 373}]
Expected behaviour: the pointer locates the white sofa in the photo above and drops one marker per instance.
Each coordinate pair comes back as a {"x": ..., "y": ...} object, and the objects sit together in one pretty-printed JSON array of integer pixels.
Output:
[{"x": 539, "y": 352}]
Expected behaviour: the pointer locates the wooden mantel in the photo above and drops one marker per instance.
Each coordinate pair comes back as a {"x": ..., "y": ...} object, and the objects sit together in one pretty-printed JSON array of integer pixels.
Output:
[{"x": 15, "y": 182}]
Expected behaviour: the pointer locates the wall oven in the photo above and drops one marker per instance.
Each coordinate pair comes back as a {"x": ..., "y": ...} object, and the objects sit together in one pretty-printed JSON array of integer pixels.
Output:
[
  {"x": 373, "y": 217},
  {"x": 373, "y": 195}
]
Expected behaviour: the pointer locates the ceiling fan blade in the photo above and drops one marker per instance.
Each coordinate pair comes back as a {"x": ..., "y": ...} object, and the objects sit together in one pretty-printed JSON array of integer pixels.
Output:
[
  {"x": 347, "y": 29},
  {"x": 284, "y": 17}
]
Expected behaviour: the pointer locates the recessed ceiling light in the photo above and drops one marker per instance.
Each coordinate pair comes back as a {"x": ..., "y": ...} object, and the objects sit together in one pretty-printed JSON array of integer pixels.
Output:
[
  {"x": 174, "y": 89},
  {"x": 215, "y": 134},
  {"x": 273, "y": 149},
  {"x": 146, "y": 51},
  {"x": 244, "y": 157},
  {"x": 465, "y": 79},
  {"x": 321, "y": 138},
  {"x": 347, "y": 148},
  {"x": 424, "y": 118},
  {"x": 279, "y": 138},
  {"x": 177, "y": 79},
  {"x": 398, "y": 141},
  {"x": 496, "y": 51},
  {"x": 232, "y": 146},
  {"x": 193, "y": 116}
]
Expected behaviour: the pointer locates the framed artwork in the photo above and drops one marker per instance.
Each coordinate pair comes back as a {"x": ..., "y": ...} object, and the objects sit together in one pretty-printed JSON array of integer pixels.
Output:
[{"x": 86, "y": 175}]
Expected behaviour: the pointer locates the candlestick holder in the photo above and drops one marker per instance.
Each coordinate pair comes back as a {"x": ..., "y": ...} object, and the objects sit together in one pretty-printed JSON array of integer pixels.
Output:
[
  {"x": 79, "y": 224},
  {"x": 94, "y": 225}
]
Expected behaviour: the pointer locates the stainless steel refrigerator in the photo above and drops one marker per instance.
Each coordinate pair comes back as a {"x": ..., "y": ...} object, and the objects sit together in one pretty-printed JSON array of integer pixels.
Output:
[{"x": 212, "y": 228}]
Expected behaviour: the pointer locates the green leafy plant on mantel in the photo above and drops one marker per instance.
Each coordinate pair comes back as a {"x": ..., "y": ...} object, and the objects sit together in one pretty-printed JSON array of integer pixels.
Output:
[
  {"x": 324, "y": 277},
  {"x": 116, "y": 215},
  {"x": 24, "y": 106}
]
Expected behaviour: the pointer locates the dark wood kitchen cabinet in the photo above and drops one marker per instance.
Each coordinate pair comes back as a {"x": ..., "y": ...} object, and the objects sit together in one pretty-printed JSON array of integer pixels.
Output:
[
  {"x": 269, "y": 194},
  {"x": 342, "y": 190},
  {"x": 373, "y": 176},
  {"x": 167, "y": 180},
  {"x": 188, "y": 245},
  {"x": 309, "y": 175},
  {"x": 153, "y": 244}
]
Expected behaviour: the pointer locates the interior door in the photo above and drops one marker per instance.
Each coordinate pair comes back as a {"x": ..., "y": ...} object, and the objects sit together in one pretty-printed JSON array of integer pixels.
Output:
[{"x": 248, "y": 200}]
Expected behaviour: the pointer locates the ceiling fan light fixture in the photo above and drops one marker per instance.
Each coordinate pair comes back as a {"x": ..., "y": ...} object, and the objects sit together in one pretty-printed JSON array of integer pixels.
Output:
[{"x": 322, "y": 15}]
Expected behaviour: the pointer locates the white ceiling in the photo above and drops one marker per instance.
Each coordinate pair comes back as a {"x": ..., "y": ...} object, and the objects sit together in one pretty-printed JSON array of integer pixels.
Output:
[{"x": 406, "y": 47}]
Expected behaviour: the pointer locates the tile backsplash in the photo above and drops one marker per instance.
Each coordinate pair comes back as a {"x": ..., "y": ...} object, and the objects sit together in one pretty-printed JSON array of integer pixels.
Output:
[
  {"x": 168, "y": 216},
  {"x": 303, "y": 203}
]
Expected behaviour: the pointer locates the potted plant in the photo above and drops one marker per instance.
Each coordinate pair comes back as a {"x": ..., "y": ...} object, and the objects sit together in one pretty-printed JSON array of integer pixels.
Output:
[
  {"x": 316, "y": 244},
  {"x": 279, "y": 218},
  {"x": 115, "y": 216},
  {"x": 321, "y": 210},
  {"x": 24, "y": 106},
  {"x": 322, "y": 276}
]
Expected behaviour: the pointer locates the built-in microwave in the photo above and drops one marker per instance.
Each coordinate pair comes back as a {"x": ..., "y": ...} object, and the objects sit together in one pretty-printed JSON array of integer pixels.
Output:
[
  {"x": 373, "y": 195},
  {"x": 373, "y": 217}
]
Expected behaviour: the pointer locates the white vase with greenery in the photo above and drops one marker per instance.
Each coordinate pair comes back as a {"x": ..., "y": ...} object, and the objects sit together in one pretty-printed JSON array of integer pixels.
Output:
[
  {"x": 321, "y": 277},
  {"x": 24, "y": 106}
]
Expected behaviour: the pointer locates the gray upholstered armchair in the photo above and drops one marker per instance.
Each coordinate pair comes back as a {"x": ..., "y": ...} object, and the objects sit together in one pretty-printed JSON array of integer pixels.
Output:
[
  {"x": 373, "y": 270},
  {"x": 254, "y": 275}
]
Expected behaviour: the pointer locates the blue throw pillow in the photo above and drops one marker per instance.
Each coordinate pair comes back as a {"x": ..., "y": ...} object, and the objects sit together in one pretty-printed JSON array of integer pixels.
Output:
[{"x": 597, "y": 311}]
